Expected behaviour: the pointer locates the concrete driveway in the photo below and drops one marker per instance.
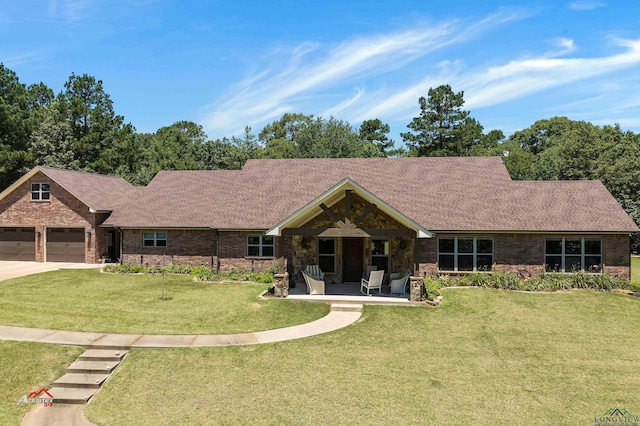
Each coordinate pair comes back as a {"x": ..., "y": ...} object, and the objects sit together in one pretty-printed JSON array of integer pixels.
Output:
[{"x": 10, "y": 269}]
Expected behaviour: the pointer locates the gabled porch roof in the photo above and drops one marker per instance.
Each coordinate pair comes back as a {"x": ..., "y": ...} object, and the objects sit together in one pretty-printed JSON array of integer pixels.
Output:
[{"x": 335, "y": 194}]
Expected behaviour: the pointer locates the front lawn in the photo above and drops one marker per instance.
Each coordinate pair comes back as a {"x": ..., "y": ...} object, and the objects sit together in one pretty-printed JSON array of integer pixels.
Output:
[
  {"x": 27, "y": 367},
  {"x": 87, "y": 300},
  {"x": 635, "y": 272},
  {"x": 485, "y": 357}
]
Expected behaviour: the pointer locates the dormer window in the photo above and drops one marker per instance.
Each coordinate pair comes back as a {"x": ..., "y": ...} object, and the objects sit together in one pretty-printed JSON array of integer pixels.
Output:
[{"x": 40, "y": 192}]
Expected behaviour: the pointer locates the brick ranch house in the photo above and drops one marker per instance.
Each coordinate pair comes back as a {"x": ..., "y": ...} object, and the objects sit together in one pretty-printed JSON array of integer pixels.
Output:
[{"x": 429, "y": 215}]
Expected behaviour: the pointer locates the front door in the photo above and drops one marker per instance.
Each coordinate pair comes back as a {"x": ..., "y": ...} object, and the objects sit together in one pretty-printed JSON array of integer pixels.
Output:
[{"x": 352, "y": 254}]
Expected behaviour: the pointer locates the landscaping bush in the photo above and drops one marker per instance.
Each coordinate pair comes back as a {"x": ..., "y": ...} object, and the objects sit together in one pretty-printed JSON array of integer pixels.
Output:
[
  {"x": 431, "y": 287},
  {"x": 542, "y": 282},
  {"x": 200, "y": 273}
]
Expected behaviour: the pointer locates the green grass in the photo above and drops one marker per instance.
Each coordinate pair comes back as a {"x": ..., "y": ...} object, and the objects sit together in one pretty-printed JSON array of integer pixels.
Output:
[
  {"x": 635, "y": 272},
  {"x": 485, "y": 357},
  {"x": 87, "y": 300},
  {"x": 26, "y": 367}
]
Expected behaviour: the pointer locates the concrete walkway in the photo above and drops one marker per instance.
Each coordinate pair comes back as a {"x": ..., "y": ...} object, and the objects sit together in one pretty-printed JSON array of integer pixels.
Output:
[{"x": 341, "y": 315}]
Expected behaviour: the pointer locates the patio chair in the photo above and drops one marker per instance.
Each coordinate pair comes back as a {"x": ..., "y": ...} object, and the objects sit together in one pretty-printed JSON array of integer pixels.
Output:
[
  {"x": 314, "y": 271},
  {"x": 370, "y": 268},
  {"x": 314, "y": 286},
  {"x": 399, "y": 283},
  {"x": 373, "y": 283}
]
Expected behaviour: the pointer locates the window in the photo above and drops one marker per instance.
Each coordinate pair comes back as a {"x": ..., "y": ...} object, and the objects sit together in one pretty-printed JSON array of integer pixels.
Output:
[
  {"x": 260, "y": 245},
  {"x": 573, "y": 254},
  {"x": 40, "y": 192},
  {"x": 464, "y": 254},
  {"x": 327, "y": 254},
  {"x": 154, "y": 239},
  {"x": 380, "y": 254}
]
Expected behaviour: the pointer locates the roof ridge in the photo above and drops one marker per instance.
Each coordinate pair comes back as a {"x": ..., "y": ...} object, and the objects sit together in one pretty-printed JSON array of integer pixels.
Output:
[{"x": 80, "y": 172}]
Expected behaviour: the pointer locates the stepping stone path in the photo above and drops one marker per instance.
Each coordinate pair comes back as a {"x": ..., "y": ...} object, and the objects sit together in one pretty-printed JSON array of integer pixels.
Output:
[{"x": 84, "y": 377}]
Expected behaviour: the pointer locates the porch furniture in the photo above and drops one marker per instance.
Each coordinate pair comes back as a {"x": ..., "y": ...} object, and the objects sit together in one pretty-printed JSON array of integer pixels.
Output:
[
  {"x": 373, "y": 283},
  {"x": 370, "y": 268},
  {"x": 314, "y": 271},
  {"x": 399, "y": 283},
  {"x": 314, "y": 286}
]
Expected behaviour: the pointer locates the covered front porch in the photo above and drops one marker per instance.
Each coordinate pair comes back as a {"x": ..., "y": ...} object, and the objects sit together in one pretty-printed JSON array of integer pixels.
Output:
[
  {"x": 350, "y": 293},
  {"x": 347, "y": 231}
]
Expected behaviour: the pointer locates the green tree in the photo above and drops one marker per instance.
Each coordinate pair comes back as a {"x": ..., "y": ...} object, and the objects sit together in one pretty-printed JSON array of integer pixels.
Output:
[
  {"x": 176, "y": 147},
  {"x": 436, "y": 131},
  {"x": 279, "y": 139},
  {"x": 89, "y": 111},
  {"x": 221, "y": 154},
  {"x": 19, "y": 115},
  {"x": 51, "y": 143},
  {"x": 375, "y": 132}
]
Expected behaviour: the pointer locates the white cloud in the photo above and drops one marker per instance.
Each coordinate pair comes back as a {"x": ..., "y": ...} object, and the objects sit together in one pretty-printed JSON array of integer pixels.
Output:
[
  {"x": 311, "y": 67},
  {"x": 524, "y": 77},
  {"x": 581, "y": 5}
]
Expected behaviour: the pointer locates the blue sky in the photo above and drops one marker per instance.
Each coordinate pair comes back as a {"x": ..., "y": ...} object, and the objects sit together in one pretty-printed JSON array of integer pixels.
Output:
[{"x": 227, "y": 64}]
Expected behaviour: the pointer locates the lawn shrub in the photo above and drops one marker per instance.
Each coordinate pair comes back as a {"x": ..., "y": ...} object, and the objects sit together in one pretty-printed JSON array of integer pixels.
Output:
[
  {"x": 200, "y": 273},
  {"x": 432, "y": 286},
  {"x": 542, "y": 282}
]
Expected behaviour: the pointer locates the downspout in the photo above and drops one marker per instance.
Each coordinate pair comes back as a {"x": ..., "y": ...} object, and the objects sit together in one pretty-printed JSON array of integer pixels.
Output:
[
  {"x": 217, "y": 250},
  {"x": 121, "y": 241}
]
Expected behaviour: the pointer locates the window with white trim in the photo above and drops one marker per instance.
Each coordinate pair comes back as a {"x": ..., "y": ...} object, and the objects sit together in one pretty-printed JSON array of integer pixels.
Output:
[
  {"x": 260, "y": 245},
  {"x": 573, "y": 254},
  {"x": 465, "y": 254},
  {"x": 154, "y": 239},
  {"x": 40, "y": 192},
  {"x": 380, "y": 254},
  {"x": 327, "y": 254}
]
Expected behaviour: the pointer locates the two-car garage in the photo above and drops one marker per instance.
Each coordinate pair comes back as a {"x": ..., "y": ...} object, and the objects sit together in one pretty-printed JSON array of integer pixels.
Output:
[{"x": 61, "y": 244}]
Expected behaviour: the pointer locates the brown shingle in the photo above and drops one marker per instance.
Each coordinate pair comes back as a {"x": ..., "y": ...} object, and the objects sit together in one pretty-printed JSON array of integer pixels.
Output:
[
  {"x": 453, "y": 193},
  {"x": 97, "y": 191}
]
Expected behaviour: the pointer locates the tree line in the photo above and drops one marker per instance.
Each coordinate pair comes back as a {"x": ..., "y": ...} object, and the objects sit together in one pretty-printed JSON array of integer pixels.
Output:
[{"x": 78, "y": 129}]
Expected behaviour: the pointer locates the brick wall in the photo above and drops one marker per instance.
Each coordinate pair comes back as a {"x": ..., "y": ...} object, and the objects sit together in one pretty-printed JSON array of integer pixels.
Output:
[
  {"x": 184, "y": 247},
  {"x": 195, "y": 247},
  {"x": 233, "y": 253},
  {"x": 524, "y": 254},
  {"x": 616, "y": 252},
  {"x": 63, "y": 210}
]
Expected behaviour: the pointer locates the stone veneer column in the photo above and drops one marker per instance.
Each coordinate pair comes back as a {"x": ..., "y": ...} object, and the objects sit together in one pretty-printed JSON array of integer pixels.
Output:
[
  {"x": 281, "y": 286},
  {"x": 415, "y": 289}
]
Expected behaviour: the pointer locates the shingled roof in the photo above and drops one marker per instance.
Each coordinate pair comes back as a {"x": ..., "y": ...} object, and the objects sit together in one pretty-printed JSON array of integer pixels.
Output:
[
  {"x": 467, "y": 194},
  {"x": 98, "y": 192}
]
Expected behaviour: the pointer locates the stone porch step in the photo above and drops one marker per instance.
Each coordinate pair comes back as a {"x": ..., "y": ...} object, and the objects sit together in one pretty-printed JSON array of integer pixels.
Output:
[
  {"x": 63, "y": 395},
  {"x": 92, "y": 367},
  {"x": 103, "y": 355},
  {"x": 79, "y": 380},
  {"x": 346, "y": 307}
]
